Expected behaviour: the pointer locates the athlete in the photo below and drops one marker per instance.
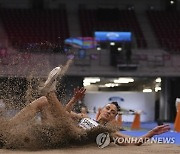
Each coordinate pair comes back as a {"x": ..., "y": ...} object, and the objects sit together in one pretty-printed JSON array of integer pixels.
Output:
[{"x": 59, "y": 128}]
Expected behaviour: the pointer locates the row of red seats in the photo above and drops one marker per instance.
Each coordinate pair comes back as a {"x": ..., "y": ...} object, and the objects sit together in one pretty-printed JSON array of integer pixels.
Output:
[
  {"x": 35, "y": 26},
  {"x": 166, "y": 28},
  {"x": 126, "y": 21}
]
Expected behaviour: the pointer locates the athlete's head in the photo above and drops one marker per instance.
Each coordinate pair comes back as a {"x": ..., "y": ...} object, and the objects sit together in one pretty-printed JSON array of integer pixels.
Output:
[{"x": 109, "y": 112}]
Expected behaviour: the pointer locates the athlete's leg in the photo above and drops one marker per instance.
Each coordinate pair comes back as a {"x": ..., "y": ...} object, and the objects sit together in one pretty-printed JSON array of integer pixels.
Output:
[
  {"x": 41, "y": 104},
  {"x": 60, "y": 115},
  {"x": 55, "y": 106},
  {"x": 30, "y": 111}
]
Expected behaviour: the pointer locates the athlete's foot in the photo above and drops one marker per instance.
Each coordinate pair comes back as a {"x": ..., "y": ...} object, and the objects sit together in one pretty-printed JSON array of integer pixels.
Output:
[{"x": 50, "y": 84}]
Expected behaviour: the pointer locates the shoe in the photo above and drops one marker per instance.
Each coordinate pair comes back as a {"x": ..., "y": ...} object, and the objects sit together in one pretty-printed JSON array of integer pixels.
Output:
[{"x": 50, "y": 84}]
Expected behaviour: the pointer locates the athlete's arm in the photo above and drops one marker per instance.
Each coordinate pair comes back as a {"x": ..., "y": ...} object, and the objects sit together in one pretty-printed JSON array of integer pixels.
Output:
[
  {"x": 121, "y": 139},
  {"x": 78, "y": 95}
]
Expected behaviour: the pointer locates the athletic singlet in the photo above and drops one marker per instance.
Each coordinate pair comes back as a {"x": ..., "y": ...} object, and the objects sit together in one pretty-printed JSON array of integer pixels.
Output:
[{"x": 87, "y": 123}]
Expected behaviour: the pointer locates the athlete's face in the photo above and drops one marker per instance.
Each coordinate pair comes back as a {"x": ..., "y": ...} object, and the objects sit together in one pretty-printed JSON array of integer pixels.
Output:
[{"x": 108, "y": 112}]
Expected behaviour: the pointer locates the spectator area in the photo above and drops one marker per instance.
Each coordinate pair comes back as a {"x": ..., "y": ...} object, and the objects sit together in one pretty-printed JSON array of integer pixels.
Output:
[
  {"x": 111, "y": 20},
  {"x": 35, "y": 26},
  {"x": 166, "y": 28}
]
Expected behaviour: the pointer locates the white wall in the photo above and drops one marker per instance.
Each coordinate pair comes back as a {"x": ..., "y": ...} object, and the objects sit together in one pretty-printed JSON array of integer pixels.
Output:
[{"x": 132, "y": 100}]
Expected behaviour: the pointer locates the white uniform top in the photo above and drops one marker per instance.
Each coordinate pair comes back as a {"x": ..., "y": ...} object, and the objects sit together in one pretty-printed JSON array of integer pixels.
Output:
[{"x": 87, "y": 123}]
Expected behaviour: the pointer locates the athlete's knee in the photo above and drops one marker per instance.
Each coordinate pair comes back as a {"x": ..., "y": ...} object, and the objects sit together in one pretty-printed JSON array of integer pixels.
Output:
[
  {"x": 42, "y": 103},
  {"x": 39, "y": 103}
]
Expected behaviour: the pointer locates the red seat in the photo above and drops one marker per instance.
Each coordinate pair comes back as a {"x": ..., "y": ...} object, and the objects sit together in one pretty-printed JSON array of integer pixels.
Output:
[{"x": 35, "y": 25}]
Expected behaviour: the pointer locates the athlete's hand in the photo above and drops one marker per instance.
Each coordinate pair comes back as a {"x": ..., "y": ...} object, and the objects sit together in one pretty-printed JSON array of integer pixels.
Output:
[
  {"x": 160, "y": 129},
  {"x": 98, "y": 113},
  {"x": 79, "y": 93}
]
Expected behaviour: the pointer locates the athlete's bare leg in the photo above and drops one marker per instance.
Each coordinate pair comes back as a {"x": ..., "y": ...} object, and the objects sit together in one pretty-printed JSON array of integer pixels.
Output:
[
  {"x": 54, "y": 108},
  {"x": 55, "y": 105},
  {"x": 30, "y": 111}
]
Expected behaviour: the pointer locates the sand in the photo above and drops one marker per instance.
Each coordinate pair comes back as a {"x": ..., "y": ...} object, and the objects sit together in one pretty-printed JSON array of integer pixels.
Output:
[{"x": 112, "y": 149}]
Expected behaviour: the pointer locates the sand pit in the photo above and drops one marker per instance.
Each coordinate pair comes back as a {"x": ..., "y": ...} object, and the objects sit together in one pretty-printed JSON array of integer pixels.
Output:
[{"x": 93, "y": 149}]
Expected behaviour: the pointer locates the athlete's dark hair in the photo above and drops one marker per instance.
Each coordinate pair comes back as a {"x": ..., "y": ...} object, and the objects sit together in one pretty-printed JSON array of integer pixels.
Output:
[{"x": 117, "y": 105}]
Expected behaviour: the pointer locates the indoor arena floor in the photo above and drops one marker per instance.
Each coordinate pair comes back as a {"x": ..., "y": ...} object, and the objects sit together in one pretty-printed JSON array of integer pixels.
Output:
[{"x": 112, "y": 149}]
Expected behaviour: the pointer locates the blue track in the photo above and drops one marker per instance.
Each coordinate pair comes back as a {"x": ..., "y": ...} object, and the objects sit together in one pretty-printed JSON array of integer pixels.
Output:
[{"x": 145, "y": 127}]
